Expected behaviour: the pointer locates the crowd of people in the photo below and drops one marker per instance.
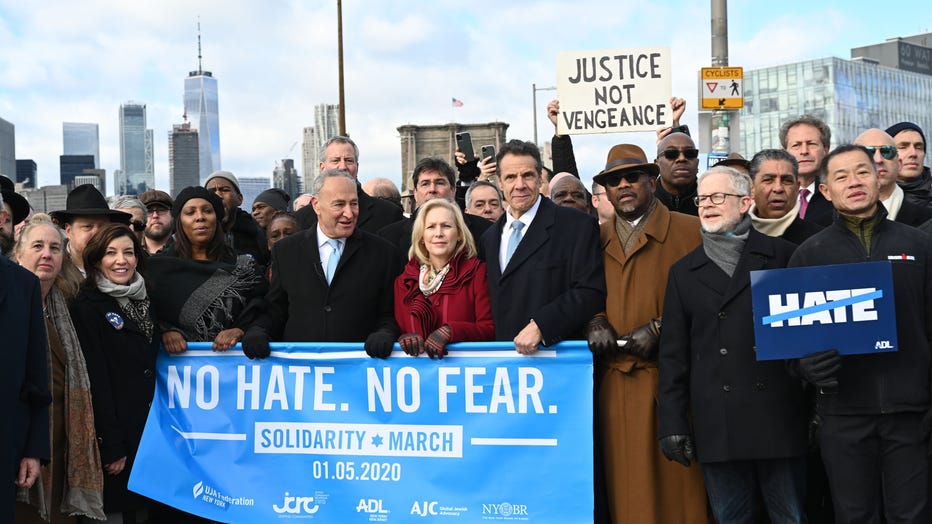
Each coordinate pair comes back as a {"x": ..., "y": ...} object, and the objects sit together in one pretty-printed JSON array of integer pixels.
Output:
[{"x": 651, "y": 265}]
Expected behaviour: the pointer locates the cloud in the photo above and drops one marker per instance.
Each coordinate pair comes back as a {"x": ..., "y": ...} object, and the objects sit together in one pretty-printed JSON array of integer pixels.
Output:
[{"x": 274, "y": 61}]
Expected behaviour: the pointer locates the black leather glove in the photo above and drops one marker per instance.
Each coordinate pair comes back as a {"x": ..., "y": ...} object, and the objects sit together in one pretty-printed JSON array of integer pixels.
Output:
[
  {"x": 603, "y": 341},
  {"x": 643, "y": 341},
  {"x": 819, "y": 369},
  {"x": 679, "y": 448},
  {"x": 412, "y": 344},
  {"x": 437, "y": 342},
  {"x": 379, "y": 344},
  {"x": 256, "y": 343}
]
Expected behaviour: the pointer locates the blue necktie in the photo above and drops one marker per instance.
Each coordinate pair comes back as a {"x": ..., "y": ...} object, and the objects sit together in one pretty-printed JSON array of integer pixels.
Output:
[
  {"x": 334, "y": 258},
  {"x": 513, "y": 240}
]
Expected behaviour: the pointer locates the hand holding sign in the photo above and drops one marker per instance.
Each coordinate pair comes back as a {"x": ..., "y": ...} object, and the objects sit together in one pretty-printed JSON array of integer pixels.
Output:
[
  {"x": 820, "y": 369},
  {"x": 613, "y": 90}
]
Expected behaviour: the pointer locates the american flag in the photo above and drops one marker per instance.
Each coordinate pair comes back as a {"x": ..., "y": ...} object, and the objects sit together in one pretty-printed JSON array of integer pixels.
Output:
[{"x": 457, "y": 103}]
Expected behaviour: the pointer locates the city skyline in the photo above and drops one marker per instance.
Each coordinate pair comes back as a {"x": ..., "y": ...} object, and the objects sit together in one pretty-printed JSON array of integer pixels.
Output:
[{"x": 277, "y": 61}]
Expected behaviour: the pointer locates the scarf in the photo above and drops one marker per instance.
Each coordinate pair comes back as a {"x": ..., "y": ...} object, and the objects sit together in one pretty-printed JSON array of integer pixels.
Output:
[
  {"x": 725, "y": 248},
  {"x": 200, "y": 299},
  {"x": 894, "y": 202},
  {"x": 628, "y": 234},
  {"x": 431, "y": 280},
  {"x": 418, "y": 309},
  {"x": 84, "y": 481},
  {"x": 133, "y": 301},
  {"x": 773, "y": 227}
]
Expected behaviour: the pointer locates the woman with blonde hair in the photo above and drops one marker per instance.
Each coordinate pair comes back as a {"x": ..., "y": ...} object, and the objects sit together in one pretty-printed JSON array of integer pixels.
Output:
[
  {"x": 442, "y": 296},
  {"x": 71, "y": 485}
]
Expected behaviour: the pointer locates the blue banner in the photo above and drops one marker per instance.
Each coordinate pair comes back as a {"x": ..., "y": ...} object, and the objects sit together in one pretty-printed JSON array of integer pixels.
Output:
[
  {"x": 323, "y": 432},
  {"x": 804, "y": 310}
]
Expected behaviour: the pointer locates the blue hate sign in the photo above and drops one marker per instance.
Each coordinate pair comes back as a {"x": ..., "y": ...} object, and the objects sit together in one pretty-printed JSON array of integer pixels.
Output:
[
  {"x": 323, "y": 432},
  {"x": 800, "y": 311}
]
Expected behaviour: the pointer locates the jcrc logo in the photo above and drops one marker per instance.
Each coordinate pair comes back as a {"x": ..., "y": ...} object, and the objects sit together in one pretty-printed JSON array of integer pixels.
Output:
[
  {"x": 424, "y": 508},
  {"x": 505, "y": 509},
  {"x": 296, "y": 505},
  {"x": 370, "y": 506}
]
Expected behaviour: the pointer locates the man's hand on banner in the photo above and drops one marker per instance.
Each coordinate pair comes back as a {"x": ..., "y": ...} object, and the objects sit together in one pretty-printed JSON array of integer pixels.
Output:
[
  {"x": 643, "y": 341},
  {"x": 256, "y": 343},
  {"x": 600, "y": 334},
  {"x": 379, "y": 344},
  {"x": 679, "y": 448}
]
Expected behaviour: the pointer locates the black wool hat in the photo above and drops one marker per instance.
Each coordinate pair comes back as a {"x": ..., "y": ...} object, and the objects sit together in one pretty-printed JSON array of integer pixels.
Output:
[{"x": 197, "y": 192}]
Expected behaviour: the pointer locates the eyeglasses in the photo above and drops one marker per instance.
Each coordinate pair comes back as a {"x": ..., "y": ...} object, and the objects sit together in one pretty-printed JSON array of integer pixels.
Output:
[
  {"x": 613, "y": 179},
  {"x": 715, "y": 198},
  {"x": 138, "y": 226},
  {"x": 691, "y": 153},
  {"x": 888, "y": 152}
]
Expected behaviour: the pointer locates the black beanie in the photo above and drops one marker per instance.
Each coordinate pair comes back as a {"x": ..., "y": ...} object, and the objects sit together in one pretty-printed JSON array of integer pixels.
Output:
[
  {"x": 197, "y": 192},
  {"x": 275, "y": 197},
  {"x": 905, "y": 126}
]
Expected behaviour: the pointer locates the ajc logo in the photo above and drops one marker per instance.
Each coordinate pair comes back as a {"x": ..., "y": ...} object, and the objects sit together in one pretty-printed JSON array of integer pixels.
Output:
[
  {"x": 294, "y": 505},
  {"x": 425, "y": 508}
]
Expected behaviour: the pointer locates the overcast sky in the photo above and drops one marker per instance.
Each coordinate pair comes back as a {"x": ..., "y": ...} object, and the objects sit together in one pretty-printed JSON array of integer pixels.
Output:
[{"x": 404, "y": 60}]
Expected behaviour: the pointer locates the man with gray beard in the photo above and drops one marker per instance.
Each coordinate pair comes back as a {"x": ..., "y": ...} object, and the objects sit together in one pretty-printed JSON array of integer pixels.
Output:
[{"x": 743, "y": 420}]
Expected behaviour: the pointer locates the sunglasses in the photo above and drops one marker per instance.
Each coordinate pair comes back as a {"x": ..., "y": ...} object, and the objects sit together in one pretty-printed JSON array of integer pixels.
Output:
[
  {"x": 690, "y": 153},
  {"x": 888, "y": 152},
  {"x": 613, "y": 179},
  {"x": 138, "y": 226}
]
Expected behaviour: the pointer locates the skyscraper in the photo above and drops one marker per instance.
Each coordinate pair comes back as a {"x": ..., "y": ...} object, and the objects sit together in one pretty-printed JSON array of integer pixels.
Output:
[
  {"x": 136, "y": 156},
  {"x": 201, "y": 106},
  {"x": 26, "y": 172},
  {"x": 326, "y": 126},
  {"x": 7, "y": 149},
  {"x": 81, "y": 139},
  {"x": 285, "y": 177},
  {"x": 73, "y": 166},
  {"x": 251, "y": 186},
  {"x": 183, "y": 161}
]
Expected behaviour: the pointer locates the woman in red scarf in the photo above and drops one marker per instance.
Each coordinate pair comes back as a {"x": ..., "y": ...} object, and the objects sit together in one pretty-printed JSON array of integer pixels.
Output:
[{"x": 443, "y": 295}]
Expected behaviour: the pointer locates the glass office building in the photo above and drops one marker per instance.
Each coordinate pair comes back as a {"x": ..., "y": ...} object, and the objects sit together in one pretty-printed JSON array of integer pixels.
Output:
[
  {"x": 849, "y": 95},
  {"x": 183, "y": 158},
  {"x": 326, "y": 126},
  {"x": 201, "y": 108},
  {"x": 7, "y": 149},
  {"x": 81, "y": 139},
  {"x": 136, "y": 156}
]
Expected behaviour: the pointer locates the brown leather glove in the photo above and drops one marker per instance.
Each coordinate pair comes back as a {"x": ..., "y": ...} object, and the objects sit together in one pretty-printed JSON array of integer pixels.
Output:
[
  {"x": 603, "y": 341},
  {"x": 643, "y": 341}
]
